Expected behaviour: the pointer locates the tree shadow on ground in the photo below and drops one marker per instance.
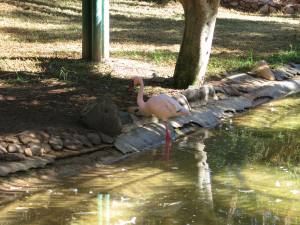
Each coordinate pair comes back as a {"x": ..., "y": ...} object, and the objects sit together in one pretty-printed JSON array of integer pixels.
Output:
[{"x": 57, "y": 95}]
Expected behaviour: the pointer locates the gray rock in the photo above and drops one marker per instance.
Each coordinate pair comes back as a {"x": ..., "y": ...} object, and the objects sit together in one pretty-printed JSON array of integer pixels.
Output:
[
  {"x": 279, "y": 75},
  {"x": 12, "y": 157},
  {"x": 106, "y": 139},
  {"x": 72, "y": 144},
  {"x": 3, "y": 147},
  {"x": 84, "y": 140},
  {"x": 13, "y": 148},
  {"x": 45, "y": 136},
  {"x": 56, "y": 143},
  {"x": 199, "y": 94},
  {"x": 46, "y": 148},
  {"x": 36, "y": 149},
  {"x": 29, "y": 136},
  {"x": 11, "y": 139},
  {"x": 102, "y": 116},
  {"x": 234, "y": 4},
  {"x": 94, "y": 138},
  {"x": 66, "y": 135}
]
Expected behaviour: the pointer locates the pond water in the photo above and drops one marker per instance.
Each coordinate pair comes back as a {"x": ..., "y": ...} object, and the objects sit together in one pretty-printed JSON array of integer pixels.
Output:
[{"x": 245, "y": 172}]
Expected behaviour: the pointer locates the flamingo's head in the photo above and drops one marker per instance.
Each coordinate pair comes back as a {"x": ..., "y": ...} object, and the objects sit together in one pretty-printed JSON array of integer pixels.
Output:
[{"x": 136, "y": 81}]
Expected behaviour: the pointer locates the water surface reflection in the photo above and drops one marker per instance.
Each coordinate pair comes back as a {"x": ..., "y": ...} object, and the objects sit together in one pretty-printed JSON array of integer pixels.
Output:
[{"x": 242, "y": 173}]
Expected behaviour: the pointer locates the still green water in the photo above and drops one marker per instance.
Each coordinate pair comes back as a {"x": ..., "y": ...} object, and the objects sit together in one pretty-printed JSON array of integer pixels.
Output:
[{"x": 245, "y": 172}]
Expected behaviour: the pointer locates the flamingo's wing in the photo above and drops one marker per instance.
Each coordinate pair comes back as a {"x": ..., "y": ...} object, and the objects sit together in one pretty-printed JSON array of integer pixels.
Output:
[{"x": 164, "y": 107}]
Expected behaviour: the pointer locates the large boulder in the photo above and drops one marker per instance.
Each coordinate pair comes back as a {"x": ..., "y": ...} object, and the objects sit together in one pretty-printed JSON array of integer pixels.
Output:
[{"x": 102, "y": 116}]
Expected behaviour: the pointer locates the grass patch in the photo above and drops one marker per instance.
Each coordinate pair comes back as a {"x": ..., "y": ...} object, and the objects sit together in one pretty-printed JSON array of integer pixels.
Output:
[
  {"x": 218, "y": 64},
  {"x": 160, "y": 57},
  {"x": 41, "y": 37}
]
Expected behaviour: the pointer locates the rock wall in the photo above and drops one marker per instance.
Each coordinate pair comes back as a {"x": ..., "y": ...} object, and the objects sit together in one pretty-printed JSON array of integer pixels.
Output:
[{"x": 264, "y": 6}]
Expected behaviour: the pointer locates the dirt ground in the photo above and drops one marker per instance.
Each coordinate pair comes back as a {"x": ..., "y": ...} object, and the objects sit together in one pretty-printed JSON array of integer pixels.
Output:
[{"x": 44, "y": 82}]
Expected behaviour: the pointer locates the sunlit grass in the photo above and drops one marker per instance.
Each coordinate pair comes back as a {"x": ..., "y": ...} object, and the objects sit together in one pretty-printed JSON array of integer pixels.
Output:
[
  {"x": 161, "y": 57},
  {"x": 33, "y": 31}
]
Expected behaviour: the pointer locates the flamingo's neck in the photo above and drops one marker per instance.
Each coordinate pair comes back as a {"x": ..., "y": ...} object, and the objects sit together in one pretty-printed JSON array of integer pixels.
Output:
[{"x": 140, "y": 98}]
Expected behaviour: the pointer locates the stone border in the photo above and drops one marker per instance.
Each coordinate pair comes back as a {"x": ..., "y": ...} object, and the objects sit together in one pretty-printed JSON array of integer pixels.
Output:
[
  {"x": 36, "y": 149},
  {"x": 237, "y": 93}
]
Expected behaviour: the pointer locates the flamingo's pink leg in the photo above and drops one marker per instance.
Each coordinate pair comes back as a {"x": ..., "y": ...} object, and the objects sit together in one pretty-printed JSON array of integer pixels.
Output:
[
  {"x": 168, "y": 144},
  {"x": 168, "y": 135}
]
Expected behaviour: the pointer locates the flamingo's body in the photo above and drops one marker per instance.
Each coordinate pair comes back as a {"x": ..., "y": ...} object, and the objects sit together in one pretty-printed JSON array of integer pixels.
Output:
[{"x": 162, "y": 106}]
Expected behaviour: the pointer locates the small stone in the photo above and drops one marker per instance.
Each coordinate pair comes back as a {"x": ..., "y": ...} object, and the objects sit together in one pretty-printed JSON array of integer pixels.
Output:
[
  {"x": 234, "y": 4},
  {"x": 44, "y": 135},
  {"x": 72, "y": 144},
  {"x": 11, "y": 139},
  {"x": 94, "y": 138},
  {"x": 106, "y": 139},
  {"x": 3, "y": 147},
  {"x": 12, "y": 157},
  {"x": 28, "y": 152},
  {"x": 56, "y": 143},
  {"x": 29, "y": 136},
  {"x": 66, "y": 135},
  {"x": 36, "y": 149},
  {"x": 13, "y": 148},
  {"x": 46, "y": 148},
  {"x": 84, "y": 140}
]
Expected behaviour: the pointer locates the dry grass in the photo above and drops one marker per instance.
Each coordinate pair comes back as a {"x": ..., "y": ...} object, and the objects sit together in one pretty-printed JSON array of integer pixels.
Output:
[{"x": 45, "y": 37}]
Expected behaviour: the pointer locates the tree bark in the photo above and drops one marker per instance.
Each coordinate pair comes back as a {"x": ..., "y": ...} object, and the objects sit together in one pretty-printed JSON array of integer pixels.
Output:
[{"x": 200, "y": 19}]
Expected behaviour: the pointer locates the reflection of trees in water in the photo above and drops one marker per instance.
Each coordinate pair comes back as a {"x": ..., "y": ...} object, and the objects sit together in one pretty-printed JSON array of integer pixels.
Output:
[
  {"x": 204, "y": 181},
  {"x": 238, "y": 145}
]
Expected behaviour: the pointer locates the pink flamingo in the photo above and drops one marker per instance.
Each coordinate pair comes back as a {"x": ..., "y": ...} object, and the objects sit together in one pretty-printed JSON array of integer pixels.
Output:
[{"x": 162, "y": 106}]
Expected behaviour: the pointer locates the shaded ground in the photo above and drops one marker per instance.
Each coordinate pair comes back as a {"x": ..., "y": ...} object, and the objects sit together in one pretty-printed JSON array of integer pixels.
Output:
[{"x": 43, "y": 81}]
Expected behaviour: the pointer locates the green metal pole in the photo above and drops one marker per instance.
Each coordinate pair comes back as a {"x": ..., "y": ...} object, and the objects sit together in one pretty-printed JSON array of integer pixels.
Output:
[
  {"x": 96, "y": 30},
  {"x": 86, "y": 30},
  {"x": 100, "y": 30},
  {"x": 105, "y": 33}
]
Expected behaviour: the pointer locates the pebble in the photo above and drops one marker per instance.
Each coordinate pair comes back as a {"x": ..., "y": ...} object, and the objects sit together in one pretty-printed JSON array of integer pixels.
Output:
[
  {"x": 72, "y": 144},
  {"x": 36, "y": 149},
  {"x": 56, "y": 143},
  {"x": 11, "y": 139},
  {"x": 29, "y": 136},
  {"x": 84, "y": 140},
  {"x": 46, "y": 148},
  {"x": 3, "y": 147},
  {"x": 13, "y": 148},
  {"x": 106, "y": 139},
  {"x": 94, "y": 138},
  {"x": 28, "y": 152}
]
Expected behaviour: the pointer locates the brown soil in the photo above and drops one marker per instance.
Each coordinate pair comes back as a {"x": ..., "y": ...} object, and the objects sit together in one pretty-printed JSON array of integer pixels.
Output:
[{"x": 36, "y": 100}]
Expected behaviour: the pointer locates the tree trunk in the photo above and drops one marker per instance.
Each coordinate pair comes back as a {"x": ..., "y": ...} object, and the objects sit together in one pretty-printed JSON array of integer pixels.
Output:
[{"x": 200, "y": 19}]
